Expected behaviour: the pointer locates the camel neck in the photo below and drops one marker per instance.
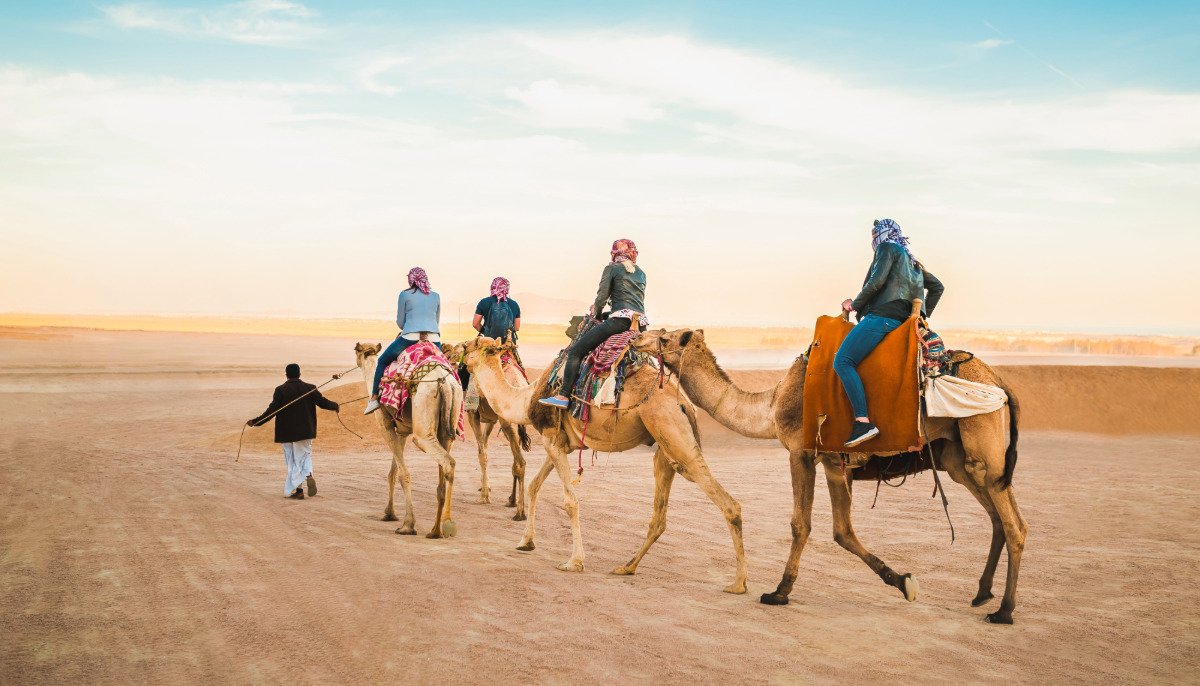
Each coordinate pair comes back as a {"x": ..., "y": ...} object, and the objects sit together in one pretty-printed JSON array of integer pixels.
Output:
[
  {"x": 509, "y": 402},
  {"x": 749, "y": 414}
]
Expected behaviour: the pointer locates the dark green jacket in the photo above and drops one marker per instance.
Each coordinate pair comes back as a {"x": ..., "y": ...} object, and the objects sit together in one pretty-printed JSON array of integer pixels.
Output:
[
  {"x": 625, "y": 290},
  {"x": 893, "y": 277}
]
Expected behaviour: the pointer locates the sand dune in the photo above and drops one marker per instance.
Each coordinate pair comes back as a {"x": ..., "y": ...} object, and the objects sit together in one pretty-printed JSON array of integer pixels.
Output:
[{"x": 133, "y": 548}]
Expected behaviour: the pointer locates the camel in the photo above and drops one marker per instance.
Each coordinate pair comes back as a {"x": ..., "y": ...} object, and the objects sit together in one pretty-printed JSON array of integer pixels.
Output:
[
  {"x": 482, "y": 422},
  {"x": 977, "y": 452},
  {"x": 431, "y": 418},
  {"x": 648, "y": 414}
]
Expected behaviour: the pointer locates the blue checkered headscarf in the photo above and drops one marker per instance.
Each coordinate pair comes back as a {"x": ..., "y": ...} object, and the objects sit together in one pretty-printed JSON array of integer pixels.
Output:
[{"x": 888, "y": 231}]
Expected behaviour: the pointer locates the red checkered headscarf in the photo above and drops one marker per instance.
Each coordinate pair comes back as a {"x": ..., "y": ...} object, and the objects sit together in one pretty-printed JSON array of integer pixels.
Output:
[
  {"x": 624, "y": 250},
  {"x": 500, "y": 288},
  {"x": 418, "y": 279}
]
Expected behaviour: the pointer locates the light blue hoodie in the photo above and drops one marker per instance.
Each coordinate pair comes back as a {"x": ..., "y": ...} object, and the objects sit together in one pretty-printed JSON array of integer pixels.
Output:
[{"x": 417, "y": 312}]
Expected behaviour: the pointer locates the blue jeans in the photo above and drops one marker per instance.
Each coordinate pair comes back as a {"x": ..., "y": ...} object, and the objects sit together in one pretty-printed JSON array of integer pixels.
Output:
[
  {"x": 854, "y": 349},
  {"x": 388, "y": 356}
]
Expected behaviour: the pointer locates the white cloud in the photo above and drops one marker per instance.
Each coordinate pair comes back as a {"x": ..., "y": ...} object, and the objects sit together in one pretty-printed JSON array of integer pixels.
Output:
[
  {"x": 507, "y": 135},
  {"x": 372, "y": 76},
  {"x": 991, "y": 44},
  {"x": 552, "y": 104},
  {"x": 268, "y": 22}
]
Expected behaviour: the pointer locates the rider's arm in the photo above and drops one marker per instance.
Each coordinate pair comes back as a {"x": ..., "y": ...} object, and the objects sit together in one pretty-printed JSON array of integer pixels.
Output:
[
  {"x": 400, "y": 311},
  {"x": 517, "y": 324},
  {"x": 605, "y": 289},
  {"x": 516, "y": 315},
  {"x": 477, "y": 322},
  {"x": 885, "y": 256},
  {"x": 935, "y": 289}
]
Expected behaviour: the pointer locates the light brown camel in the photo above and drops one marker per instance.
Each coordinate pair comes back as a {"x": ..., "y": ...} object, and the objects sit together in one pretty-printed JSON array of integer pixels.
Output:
[
  {"x": 978, "y": 452},
  {"x": 482, "y": 422},
  {"x": 647, "y": 415},
  {"x": 431, "y": 418}
]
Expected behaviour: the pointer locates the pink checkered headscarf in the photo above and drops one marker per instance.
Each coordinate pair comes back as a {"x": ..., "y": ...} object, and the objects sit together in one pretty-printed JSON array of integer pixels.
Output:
[
  {"x": 500, "y": 288},
  {"x": 418, "y": 279},
  {"x": 624, "y": 250}
]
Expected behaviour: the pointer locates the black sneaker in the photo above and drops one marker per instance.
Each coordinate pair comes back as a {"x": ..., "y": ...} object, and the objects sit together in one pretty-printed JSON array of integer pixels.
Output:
[
  {"x": 862, "y": 432},
  {"x": 297, "y": 494}
]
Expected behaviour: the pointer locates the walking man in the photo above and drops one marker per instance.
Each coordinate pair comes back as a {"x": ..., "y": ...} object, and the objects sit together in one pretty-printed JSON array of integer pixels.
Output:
[{"x": 295, "y": 411}]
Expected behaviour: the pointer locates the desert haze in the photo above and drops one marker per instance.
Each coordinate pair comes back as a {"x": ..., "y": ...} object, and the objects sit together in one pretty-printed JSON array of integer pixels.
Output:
[{"x": 136, "y": 549}]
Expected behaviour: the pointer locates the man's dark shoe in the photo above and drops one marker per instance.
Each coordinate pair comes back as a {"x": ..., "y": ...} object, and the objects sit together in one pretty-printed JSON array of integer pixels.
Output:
[
  {"x": 298, "y": 494},
  {"x": 312, "y": 486},
  {"x": 861, "y": 433}
]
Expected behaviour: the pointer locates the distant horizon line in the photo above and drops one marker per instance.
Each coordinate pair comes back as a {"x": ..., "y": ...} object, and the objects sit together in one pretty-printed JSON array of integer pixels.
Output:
[{"x": 996, "y": 329}]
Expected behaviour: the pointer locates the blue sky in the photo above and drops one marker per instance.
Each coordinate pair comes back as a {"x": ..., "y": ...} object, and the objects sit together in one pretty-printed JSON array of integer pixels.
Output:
[{"x": 1044, "y": 157}]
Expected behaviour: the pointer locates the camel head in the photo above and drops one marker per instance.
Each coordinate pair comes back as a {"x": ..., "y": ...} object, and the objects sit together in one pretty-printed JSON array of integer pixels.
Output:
[
  {"x": 670, "y": 345},
  {"x": 366, "y": 351},
  {"x": 476, "y": 350},
  {"x": 455, "y": 353}
]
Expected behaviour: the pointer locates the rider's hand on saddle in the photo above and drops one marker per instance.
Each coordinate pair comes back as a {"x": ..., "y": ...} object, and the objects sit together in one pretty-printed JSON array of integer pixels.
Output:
[{"x": 847, "y": 305}]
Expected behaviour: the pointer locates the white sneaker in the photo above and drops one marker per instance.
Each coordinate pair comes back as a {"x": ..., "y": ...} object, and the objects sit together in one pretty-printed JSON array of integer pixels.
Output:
[{"x": 371, "y": 406}]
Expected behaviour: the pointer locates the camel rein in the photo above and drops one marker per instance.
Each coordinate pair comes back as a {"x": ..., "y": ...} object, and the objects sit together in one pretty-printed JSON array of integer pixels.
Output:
[{"x": 262, "y": 421}]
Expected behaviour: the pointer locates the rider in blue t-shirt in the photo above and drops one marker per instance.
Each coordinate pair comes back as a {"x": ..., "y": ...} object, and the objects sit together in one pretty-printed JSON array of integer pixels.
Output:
[{"x": 498, "y": 314}]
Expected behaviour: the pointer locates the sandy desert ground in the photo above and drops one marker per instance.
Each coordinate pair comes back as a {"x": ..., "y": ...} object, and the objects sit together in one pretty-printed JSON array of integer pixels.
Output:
[{"x": 134, "y": 549}]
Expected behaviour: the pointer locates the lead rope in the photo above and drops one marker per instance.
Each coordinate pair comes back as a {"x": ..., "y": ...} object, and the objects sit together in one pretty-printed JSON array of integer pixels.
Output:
[
  {"x": 260, "y": 422},
  {"x": 937, "y": 482}
]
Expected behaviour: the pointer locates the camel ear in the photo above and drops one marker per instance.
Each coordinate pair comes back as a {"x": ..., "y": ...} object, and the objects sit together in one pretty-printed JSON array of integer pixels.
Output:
[
  {"x": 685, "y": 339},
  {"x": 700, "y": 335}
]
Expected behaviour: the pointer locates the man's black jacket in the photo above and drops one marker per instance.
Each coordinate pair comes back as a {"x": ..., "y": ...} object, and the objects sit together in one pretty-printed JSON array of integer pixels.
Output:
[{"x": 299, "y": 421}]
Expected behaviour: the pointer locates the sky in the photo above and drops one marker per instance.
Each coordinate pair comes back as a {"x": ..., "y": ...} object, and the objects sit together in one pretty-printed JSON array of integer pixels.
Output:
[{"x": 271, "y": 157}]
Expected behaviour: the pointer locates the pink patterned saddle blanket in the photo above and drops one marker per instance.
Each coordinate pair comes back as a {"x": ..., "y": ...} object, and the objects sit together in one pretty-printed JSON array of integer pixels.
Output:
[{"x": 400, "y": 377}]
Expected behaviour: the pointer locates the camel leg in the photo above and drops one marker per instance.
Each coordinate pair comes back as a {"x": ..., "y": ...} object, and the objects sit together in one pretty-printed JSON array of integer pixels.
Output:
[
  {"x": 399, "y": 471},
  {"x": 664, "y": 475},
  {"x": 483, "y": 433},
  {"x": 535, "y": 486},
  {"x": 951, "y": 459},
  {"x": 673, "y": 431},
  {"x": 843, "y": 533},
  {"x": 1015, "y": 531},
  {"x": 804, "y": 478},
  {"x": 571, "y": 503},
  {"x": 518, "y": 471},
  {"x": 984, "y": 440},
  {"x": 430, "y": 445}
]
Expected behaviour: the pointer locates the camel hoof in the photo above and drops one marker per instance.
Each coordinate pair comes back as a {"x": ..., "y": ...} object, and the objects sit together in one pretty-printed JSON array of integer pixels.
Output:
[
  {"x": 449, "y": 528},
  {"x": 483, "y": 501},
  {"x": 624, "y": 570},
  {"x": 519, "y": 517},
  {"x": 526, "y": 547},
  {"x": 773, "y": 599},
  {"x": 998, "y": 617},
  {"x": 433, "y": 534},
  {"x": 389, "y": 517},
  {"x": 982, "y": 598},
  {"x": 736, "y": 588},
  {"x": 570, "y": 566},
  {"x": 909, "y": 586},
  {"x": 407, "y": 531}
]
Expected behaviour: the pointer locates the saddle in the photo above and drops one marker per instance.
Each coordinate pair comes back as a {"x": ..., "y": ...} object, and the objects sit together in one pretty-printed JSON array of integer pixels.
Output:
[
  {"x": 891, "y": 376},
  {"x": 401, "y": 377},
  {"x": 603, "y": 372}
]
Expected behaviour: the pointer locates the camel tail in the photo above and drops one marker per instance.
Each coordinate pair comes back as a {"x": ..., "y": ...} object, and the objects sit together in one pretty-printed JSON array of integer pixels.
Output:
[
  {"x": 447, "y": 413},
  {"x": 1010, "y": 455},
  {"x": 523, "y": 434}
]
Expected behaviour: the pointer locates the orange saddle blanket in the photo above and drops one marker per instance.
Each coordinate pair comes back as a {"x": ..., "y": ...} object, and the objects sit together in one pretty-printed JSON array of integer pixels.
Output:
[{"x": 890, "y": 376}]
